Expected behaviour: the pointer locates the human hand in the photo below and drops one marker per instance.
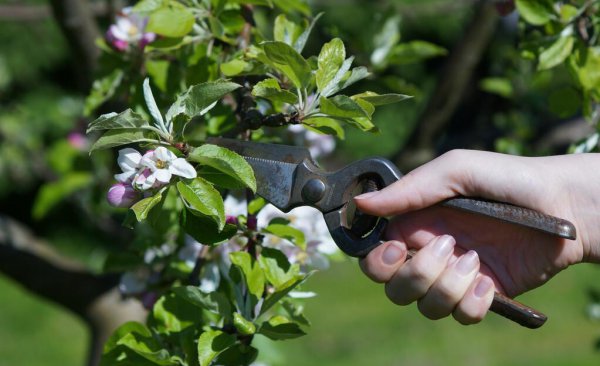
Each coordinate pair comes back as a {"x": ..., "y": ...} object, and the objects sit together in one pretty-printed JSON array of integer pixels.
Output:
[{"x": 463, "y": 257}]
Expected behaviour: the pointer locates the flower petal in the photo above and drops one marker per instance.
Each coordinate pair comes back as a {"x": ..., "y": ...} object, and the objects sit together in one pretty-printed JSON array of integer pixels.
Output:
[
  {"x": 164, "y": 154},
  {"x": 129, "y": 159},
  {"x": 162, "y": 175},
  {"x": 126, "y": 176},
  {"x": 182, "y": 168}
]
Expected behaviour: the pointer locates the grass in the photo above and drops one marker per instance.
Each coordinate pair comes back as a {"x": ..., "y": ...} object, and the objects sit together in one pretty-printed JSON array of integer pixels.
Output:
[{"x": 353, "y": 324}]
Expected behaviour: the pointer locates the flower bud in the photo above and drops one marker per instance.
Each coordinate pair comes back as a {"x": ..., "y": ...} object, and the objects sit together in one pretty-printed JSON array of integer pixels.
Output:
[
  {"x": 230, "y": 219},
  {"x": 121, "y": 195},
  {"x": 252, "y": 223}
]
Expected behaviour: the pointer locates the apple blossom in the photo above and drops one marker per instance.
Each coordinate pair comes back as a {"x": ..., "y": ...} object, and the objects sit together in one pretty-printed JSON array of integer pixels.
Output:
[
  {"x": 122, "y": 195},
  {"x": 129, "y": 162},
  {"x": 163, "y": 164},
  {"x": 128, "y": 31}
]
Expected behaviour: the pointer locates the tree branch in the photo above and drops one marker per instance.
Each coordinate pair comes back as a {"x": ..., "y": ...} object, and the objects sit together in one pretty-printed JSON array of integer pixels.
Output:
[
  {"x": 94, "y": 298},
  {"x": 453, "y": 84}
]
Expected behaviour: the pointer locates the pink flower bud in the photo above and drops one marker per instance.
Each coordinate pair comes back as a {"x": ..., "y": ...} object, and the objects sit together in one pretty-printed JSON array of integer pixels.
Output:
[
  {"x": 232, "y": 220},
  {"x": 121, "y": 195},
  {"x": 78, "y": 141}
]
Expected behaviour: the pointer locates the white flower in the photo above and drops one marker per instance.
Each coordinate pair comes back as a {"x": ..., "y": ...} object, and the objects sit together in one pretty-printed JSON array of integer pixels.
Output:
[
  {"x": 129, "y": 30},
  {"x": 163, "y": 164},
  {"x": 318, "y": 144},
  {"x": 135, "y": 282},
  {"x": 129, "y": 161}
]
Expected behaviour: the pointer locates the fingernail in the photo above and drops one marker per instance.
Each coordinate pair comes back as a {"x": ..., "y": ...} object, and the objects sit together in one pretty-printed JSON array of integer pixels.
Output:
[
  {"x": 443, "y": 246},
  {"x": 392, "y": 253},
  {"x": 467, "y": 263},
  {"x": 364, "y": 196},
  {"x": 484, "y": 285}
]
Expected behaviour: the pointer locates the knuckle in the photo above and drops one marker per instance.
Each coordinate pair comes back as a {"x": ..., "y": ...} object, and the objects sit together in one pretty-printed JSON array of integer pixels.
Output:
[
  {"x": 433, "y": 311},
  {"x": 396, "y": 295}
]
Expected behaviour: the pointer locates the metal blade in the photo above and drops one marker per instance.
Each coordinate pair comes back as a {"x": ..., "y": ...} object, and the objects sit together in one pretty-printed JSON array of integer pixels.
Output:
[
  {"x": 274, "y": 167},
  {"x": 274, "y": 152}
]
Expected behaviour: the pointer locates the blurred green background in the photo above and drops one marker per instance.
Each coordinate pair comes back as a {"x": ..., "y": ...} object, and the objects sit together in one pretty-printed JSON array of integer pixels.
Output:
[{"x": 353, "y": 323}]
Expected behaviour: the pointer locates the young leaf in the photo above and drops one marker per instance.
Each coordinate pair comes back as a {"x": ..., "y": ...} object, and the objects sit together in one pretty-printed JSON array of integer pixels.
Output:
[
  {"x": 328, "y": 126},
  {"x": 226, "y": 161},
  {"x": 283, "y": 290},
  {"x": 556, "y": 53},
  {"x": 385, "y": 39},
  {"x": 122, "y": 331},
  {"x": 356, "y": 75},
  {"x": 301, "y": 41},
  {"x": 214, "y": 302},
  {"x": 113, "y": 121},
  {"x": 142, "y": 208},
  {"x": 151, "y": 103},
  {"x": 202, "y": 198},
  {"x": 381, "y": 99},
  {"x": 205, "y": 230},
  {"x": 270, "y": 89},
  {"x": 242, "y": 325},
  {"x": 123, "y": 136},
  {"x": 148, "y": 348},
  {"x": 286, "y": 31},
  {"x": 279, "y": 328},
  {"x": 234, "y": 67},
  {"x": 173, "y": 20},
  {"x": 414, "y": 51},
  {"x": 536, "y": 12},
  {"x": 256, "y": 205},
  {"x": 212, "y": 343},
  {"x": 277, "y": 268},
  {"x": 342, "y": 106},
  {"x": 289, "y": 62},
  {"x": 330, "y": 60},
  {"x": 334, "y": 85},
  {"x": 199, "y": 99},
  {"x": 253, "y": 273},
  {"x": 287, "y": 232}
]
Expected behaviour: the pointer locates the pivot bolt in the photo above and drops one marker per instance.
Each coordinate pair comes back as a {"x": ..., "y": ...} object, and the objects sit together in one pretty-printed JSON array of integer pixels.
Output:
[{"x": 313, "y": 190}]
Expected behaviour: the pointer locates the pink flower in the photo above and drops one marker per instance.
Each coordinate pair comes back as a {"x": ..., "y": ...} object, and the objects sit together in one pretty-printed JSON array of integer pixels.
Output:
[
  {"x": 122, "y": 195},
  {"x": 129, "y": 31},
  {"x": 78, "y": 141}
]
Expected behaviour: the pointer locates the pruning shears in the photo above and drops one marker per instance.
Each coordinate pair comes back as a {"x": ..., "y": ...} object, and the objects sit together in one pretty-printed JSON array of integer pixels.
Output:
[{"x": 288, "y": 177}]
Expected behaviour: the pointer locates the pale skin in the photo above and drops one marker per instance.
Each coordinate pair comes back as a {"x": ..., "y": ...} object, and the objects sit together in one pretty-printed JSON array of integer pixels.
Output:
[{"x": 462, "y": 258}]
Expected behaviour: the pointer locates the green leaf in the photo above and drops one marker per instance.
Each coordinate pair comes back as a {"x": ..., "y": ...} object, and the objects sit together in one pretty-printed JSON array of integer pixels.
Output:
[
  {"x": 278, "y": 270},
  {"x": 142, "y": 208},
  {"x": 330, "y": 61},
  {"x": 301, "y": 41},
  {"x": 381, "y": 99},
  {"x": 362, "y": 123},
  {"x": 256, "y": 205},
  {"x": 243, "y": 326},
  {"x": 148, "y": 348},
  {"x": 215, "y": 302},
  {"x": 415, "y": 51},
  {"x": 286, "y": 31},
  {"x": 212, "y": 343},
  {"x": 287, "y": 232},
  {"x": 289, "y": 62},
  {"x": 356, "y": 75},
  {"x": 342, "y": 106},
  {"x": 205, "y": 230},
  {"x": 51, "y": 194},
  {"x": 174, "y": 20},
  {"x": 557, "y": 53},
  {"x": 385, "y": 40},
  {"x": 151, "y": 103},
  {"x": 122, "y": 331},
  {"x": 226, "y": 161},
  {"x": 584, "y": 64},
  {"x": 102, "y": 90},
  {"x": 536, "y": 12},
  {"x": 173, "y": 314},
  {"x": 219, "y": 178},
  {"x": 270, "y": 89},
  {"x": 325, "y": 125},
  {"x": 159, "y": 72},
  {"x": 112, "y": 121},
  {"x": 253, "y": 274},
  {"x": 202, "y": 198},
  {"x": 499, "y": 86},
  {"x": 113, "y": 138},
  {"x": 295, "y": 312},
  {"x": 283, "y": 290},
  {"x": 234, "y": 67},
  {"x": 199, "y": 99},
  {"x": 280, "y": 328}
]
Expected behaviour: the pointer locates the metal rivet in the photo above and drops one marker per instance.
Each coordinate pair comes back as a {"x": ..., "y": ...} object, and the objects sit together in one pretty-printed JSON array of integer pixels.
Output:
[{"x": 313, "y": 190}]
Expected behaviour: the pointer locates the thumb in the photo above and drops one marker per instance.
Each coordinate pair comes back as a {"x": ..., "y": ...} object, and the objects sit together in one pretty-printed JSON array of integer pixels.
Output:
[{"x": 456, "y": 173}]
